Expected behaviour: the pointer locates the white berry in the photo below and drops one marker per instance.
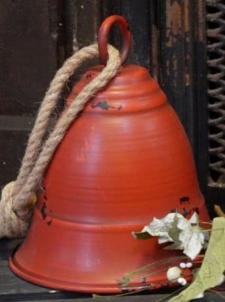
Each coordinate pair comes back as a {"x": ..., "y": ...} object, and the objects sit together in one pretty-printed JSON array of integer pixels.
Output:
[
  {"x": 182, "y": 265},
  {"x": 182, "y": 281},
  {"x": 189, "y": 265},
  {"x": 173, "y": 273}
]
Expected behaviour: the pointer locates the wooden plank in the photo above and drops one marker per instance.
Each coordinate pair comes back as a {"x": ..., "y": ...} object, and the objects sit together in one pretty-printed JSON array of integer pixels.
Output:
[
  {"x": 147, "y": 298},
  {"x": 81, "y": 22},
  {"x": 42, "y": 297},
  {"x": 154, "y": 30},
  {"x": 12, "y": 149},
  {"x": 10, "y": 284},
  {"x": 183, "y": 71},
  {"x": 176, "y": 58},
  {"x": 6, "y": 248},
  {"x": 16, "y": 123},
  {"x": 27, "y": 55},
  {"x": 14, "y": 133}
]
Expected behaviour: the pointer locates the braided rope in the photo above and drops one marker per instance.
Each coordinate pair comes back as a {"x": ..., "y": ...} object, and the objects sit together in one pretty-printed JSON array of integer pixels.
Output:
[{"x": 18, "y": 197}]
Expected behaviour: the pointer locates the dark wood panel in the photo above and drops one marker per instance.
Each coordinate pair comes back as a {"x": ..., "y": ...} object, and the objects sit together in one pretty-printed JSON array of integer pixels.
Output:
[
  {"x": 28, "y": 54},
  {"x": 12, "y": 145},
  {"x": 81, "y": 21},
  {"x": 16, "y": 123},
  {"x": 176, "y": 58},
  {"x": 182, "y": 70}
]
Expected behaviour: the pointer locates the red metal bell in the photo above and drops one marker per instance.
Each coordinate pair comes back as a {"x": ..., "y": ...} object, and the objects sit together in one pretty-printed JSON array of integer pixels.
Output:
[{"x": 125, "y": 160}]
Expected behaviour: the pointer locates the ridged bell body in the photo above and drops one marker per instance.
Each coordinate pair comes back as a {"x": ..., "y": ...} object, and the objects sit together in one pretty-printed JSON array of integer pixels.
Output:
[{"x": 125, "y": 160}]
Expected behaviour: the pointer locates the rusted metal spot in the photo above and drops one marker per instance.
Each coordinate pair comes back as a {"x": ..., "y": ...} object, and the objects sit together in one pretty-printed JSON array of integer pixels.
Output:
[
  {"x": 43, "y": 210},
  {"x": 104, "y": 105},
  {"x": 184, "y": 199},
  {"x": 49, "y": 222},
  {"x": 186, "y": 212},
  {"x": 42, "y": 206}
]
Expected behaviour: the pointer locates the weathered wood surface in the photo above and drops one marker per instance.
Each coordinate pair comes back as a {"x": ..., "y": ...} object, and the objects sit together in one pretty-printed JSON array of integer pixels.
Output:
[
  {"x": 28, "y": 60},
  {"x": 28, "y": 40},
  {"x": 15, "y": 289},
  {"x": 182, "y": 71}
]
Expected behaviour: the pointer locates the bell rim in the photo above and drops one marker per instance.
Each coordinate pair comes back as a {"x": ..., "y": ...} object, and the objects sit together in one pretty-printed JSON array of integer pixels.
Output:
[{"x": 55, "y": 284}]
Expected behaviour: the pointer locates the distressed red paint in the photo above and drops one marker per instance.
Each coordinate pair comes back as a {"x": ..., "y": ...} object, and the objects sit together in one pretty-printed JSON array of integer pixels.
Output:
[{"x": 125, "y": 160}]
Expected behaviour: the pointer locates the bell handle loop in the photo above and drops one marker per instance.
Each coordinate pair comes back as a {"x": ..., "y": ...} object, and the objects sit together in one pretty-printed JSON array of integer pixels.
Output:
[{"x": 103, "y": 35}]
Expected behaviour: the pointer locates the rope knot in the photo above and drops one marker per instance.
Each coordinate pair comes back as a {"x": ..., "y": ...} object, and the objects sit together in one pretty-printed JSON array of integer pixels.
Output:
[{"x": 12, "y": 226}]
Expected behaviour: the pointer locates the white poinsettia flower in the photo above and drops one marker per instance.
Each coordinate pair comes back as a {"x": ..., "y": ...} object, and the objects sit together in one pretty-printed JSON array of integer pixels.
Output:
[
  {"x": 186, "y": 234},
  {"x": 161, "y": 227}
]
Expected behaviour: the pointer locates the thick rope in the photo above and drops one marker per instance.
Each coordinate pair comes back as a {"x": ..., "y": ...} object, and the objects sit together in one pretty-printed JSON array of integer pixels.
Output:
[{"x": 18, "y": 196}]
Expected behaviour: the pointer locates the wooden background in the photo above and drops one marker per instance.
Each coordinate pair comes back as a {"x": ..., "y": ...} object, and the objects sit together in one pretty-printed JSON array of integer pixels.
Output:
[{"x": 169, "y": 38}]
